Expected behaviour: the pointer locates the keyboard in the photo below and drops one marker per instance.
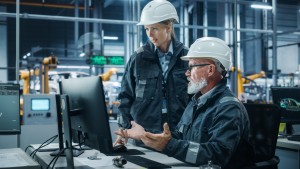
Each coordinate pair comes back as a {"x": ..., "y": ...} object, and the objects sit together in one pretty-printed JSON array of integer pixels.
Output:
[
  {"x": 145, "y": 162},
  {"x": 129, "y": 152},
  {"x": 293, "y": 137}
]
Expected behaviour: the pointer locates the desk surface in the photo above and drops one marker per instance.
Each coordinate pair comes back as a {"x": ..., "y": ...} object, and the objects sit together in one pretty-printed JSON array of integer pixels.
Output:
[
  {"x": 43, "y": 158},
  {"x": 16, "y": 158},
  {"x": 285, "y": 143}
]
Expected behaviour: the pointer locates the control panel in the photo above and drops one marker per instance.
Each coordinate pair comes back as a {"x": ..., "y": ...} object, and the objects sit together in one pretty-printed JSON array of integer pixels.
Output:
[{"x": 39, "y": 109}]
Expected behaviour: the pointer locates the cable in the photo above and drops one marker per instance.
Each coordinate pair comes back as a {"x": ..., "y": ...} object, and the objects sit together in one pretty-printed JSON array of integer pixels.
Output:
[
  {"x": 79, "y": 136},
  {"x": 45, "y": 143},
  {"x": 56, "y": 157},
  {"x": 28, "y": 147}
]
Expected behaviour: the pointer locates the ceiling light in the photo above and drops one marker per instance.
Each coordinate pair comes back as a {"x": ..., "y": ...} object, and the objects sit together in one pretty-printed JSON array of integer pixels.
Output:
[
  {"x": 81, "y": 54},
  {"x": 110, "y": 38},
  {"x": 261, "y": 6}
]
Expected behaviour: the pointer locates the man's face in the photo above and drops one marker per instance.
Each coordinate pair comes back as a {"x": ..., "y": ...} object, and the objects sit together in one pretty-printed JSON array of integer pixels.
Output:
[{"x": 197, "y": 75}]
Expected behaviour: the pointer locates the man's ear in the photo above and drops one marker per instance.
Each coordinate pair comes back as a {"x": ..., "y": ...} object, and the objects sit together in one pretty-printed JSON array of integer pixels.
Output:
[{"x": 211, "y": 70}]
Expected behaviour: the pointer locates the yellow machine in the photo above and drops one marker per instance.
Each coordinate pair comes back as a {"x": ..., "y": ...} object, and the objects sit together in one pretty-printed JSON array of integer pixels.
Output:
[
  {"x": 113, "y": 104},
  {"x": 246, "y": 80},
  {"x": 48, "y": 64},
  {"x": 106, "y": 76},
  {"x": 25, "y": 75}
]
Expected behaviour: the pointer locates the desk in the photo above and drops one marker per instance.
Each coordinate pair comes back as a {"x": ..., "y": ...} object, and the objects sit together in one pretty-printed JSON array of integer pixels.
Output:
[
  {"x": 16, "y": 158},
  {"x": 289, "y": 153},
  {"x": 43, "y": 158}
]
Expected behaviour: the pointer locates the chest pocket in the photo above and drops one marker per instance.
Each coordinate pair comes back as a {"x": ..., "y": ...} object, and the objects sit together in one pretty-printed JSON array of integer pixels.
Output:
[
  {"x": 146, "y": 87},
  {"x": 200, "y": 128}
]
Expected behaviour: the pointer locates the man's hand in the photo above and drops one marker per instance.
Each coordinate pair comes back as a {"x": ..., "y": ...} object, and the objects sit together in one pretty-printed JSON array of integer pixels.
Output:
[
  {"x": 157, "y": 141},
  {"x": 135, "y": 133}
]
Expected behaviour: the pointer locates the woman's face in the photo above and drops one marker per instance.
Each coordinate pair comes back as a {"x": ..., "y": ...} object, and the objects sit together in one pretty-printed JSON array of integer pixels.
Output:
[{"x": 159, "y": 35}]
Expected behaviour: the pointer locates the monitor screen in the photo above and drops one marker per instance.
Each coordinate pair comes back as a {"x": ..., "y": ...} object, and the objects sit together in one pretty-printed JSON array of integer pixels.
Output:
[
  {"x": 9, "y": 109},
  {"x": 288, "y": 98},
  {"x": 88, "y": 112},
  {"x": 38, "y": 104}
]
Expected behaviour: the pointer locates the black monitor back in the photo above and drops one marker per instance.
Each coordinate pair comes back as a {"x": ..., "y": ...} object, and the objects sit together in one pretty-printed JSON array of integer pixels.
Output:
[
  {"x": 264, "y": 126},
  {"x": 88, "y": 112}
]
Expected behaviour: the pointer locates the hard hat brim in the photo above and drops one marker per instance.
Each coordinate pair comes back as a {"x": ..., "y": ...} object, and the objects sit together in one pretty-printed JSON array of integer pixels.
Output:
[
  {"x": 187, "y": 58},
  {"x": 153, "y": 22},
  {"x": 146, "y": 23}
]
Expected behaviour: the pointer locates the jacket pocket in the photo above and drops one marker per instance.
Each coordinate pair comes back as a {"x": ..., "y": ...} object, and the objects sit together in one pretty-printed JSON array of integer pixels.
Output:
[{"x": 146, "y": 86}]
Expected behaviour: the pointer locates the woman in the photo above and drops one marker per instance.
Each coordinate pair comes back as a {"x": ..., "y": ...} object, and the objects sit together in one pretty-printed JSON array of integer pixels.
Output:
[{"x": 154, "y": 86}]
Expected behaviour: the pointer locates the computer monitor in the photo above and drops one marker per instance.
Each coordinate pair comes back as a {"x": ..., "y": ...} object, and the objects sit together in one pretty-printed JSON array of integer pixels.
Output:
[
  {"x": 88, "y": 112},
  {"x": 9, "y": 109},
  {"x": 288, "y": 98}
]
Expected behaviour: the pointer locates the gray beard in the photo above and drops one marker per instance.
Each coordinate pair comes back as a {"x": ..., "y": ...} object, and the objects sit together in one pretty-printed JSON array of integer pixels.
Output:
[{"x": 196, "y": 87}]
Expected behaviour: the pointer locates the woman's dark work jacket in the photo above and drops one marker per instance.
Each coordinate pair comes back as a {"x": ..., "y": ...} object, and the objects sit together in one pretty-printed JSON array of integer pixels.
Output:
[{"x": 141, "y": 89}]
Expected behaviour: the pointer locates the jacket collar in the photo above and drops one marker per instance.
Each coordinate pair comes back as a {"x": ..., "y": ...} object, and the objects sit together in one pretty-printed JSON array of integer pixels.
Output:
[
  {"x": 210, "y": 95},
  {"x": 169, "y": 51}
]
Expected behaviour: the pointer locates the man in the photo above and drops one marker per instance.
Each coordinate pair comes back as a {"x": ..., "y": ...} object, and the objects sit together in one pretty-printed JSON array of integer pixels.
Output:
[{"x": 215, "y": 125}]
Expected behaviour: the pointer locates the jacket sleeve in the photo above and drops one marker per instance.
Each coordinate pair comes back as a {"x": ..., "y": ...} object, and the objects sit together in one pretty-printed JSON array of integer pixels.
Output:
[
  {"x": 225, "y": 134},
  {"x": 127, "y": 95}
]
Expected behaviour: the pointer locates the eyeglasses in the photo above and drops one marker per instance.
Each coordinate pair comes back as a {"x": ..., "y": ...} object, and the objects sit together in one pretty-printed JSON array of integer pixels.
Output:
[{"x": 197, "y": 65}]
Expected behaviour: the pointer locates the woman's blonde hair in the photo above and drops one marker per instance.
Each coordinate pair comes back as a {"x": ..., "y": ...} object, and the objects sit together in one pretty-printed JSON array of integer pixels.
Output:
[{"x": 171, "y": 23}]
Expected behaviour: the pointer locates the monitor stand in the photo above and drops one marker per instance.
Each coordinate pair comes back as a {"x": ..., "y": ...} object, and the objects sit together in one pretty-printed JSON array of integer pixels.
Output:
[
  {"x": 61, "y": 151},
  {"x": 76, "y": 167}
]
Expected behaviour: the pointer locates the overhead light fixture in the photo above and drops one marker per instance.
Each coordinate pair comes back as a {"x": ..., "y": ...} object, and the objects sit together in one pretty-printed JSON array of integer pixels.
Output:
[
  {"x": 261, "y": 6},
  {"x": 27, "y": 55},
  {"x": 81, "y": 54},
  {"x": 296, "y": 33},
  {"x": 110, "y": 38}
]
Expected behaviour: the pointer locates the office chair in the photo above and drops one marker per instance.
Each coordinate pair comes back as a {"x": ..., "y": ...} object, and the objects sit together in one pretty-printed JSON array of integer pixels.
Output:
[{"x": 264, "y": 126}]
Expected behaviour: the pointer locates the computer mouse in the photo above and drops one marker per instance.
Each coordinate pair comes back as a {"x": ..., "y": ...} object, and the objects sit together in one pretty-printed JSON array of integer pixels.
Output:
[{"x": 120, "y": 148}]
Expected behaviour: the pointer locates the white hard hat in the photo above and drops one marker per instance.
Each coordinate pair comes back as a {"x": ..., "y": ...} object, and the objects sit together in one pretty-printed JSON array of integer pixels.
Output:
[
  {"x": 210, "y": 48},
  {"x": 156, "y": 11}
]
